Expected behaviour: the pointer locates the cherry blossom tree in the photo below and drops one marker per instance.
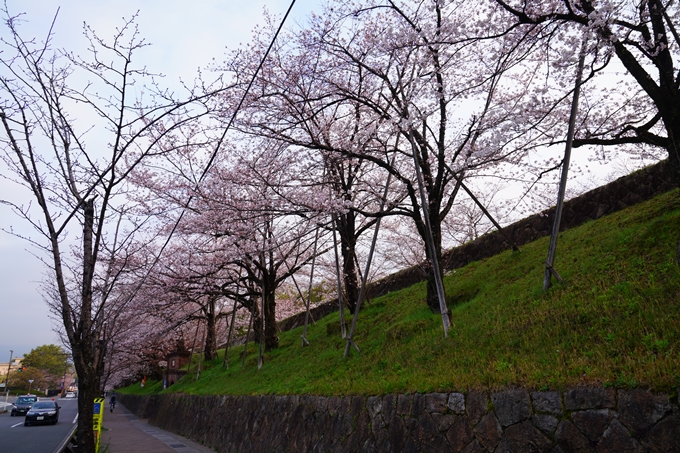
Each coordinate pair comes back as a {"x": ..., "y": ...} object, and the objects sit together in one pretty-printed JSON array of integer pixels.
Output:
[
  {"x": 380, "y": 86},
  {"x": 250, "y": 223},
  {"x": 643, "y": 107},
  {"x": 52, "y": 103}
]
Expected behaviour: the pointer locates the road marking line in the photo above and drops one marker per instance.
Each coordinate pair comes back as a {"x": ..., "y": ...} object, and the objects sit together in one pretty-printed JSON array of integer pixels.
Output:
[
  {"x": 14, "y": 426},
  {"x": 75, "y": 419}
]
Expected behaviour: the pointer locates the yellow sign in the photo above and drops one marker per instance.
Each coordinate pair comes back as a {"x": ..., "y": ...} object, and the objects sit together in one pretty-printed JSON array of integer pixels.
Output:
[{"x": 97, "y": 415}]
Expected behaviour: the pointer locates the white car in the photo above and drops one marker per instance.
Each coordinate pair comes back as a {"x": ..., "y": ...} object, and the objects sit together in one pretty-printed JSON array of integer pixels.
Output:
[{"x": 70, "y": 395}]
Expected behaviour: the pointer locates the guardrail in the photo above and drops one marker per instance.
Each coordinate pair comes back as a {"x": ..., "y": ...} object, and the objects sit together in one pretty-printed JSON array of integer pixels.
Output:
[{"x": 70, "y": 442}]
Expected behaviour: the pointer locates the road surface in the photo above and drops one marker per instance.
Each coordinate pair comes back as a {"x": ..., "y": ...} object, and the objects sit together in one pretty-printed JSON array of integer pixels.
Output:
[{"x": 17, "y": 438}]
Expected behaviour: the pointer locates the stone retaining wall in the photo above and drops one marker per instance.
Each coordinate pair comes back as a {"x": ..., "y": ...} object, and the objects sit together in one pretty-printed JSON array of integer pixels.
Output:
[{"x": 516, "y": 420}]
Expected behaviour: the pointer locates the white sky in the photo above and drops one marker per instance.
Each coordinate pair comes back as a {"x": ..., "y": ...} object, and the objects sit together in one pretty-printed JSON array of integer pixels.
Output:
[{"x": 184, "y": 36}]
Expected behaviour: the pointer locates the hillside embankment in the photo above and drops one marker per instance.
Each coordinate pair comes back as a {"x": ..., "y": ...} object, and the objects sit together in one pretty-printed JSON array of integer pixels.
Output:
[
  {"x": 619, "y": 194},
  {"x": 568, "y": 370}
]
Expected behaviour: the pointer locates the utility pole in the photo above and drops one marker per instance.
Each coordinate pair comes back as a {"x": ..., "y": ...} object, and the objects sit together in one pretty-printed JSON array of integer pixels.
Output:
[{"x": 9, "y": 365}]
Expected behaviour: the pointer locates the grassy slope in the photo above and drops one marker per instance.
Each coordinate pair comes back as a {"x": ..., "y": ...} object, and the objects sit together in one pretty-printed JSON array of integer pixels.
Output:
[{"x": 614, "y": 321}]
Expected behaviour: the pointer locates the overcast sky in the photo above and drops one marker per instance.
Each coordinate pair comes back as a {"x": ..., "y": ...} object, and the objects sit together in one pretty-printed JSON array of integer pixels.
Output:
[{"x": 184, "y": 36}]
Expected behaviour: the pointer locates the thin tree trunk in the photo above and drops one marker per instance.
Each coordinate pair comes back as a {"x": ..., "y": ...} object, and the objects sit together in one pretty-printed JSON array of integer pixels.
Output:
[
  {"x": 305, "y": 342},
  {"x": 200, "y": 356},
  {"x": 225, "y": 362},
  {"x": 245, "y": 345},
  {"x": 343, "y": 327},
  {"x": 193, "y": 346},
  {"x": 210, "y": 345}
]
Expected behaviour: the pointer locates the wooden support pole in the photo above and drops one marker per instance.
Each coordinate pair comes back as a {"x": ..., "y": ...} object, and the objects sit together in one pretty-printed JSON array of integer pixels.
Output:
[
  {"x": 443, "y": 308},
  {"x": 550, "y": 262},
  {"x": 343, "y": 326},
  {"x": 305, "y": 342},
  {"x": 364, "y": 280}
]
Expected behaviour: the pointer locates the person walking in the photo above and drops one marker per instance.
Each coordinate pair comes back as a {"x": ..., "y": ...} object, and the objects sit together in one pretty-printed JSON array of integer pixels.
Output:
[{"x": 112, "y": 401}]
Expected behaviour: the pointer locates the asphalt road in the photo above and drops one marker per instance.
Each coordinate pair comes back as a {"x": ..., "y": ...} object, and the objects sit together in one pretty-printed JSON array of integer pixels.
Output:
[{"x": 17, "y": 438}]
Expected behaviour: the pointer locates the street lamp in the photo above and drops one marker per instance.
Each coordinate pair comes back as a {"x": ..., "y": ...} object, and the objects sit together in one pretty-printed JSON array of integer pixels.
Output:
[{"x": 30, "y": 382}]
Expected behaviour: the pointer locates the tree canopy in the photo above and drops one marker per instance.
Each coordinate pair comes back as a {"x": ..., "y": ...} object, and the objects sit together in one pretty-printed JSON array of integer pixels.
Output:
[{"x": 48, "y": 358}]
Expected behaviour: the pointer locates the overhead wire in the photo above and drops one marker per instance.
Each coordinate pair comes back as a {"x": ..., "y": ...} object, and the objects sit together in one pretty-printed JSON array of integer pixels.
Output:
[{"x": 216, "y": 150}]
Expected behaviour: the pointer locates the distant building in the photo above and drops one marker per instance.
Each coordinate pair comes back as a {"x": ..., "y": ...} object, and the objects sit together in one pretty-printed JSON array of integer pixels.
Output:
[
  {"x": 13, "y": 366},
  {"x": 176, "y": 360},
  {"x": 16, "y": 363}
]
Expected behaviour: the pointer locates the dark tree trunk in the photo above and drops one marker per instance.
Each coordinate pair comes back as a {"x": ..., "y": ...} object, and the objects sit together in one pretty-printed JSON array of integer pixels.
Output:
[
  {"x": 88, "y": 390},
  {"x": 257, "y": 321},
  {"x": 85, "y": 344},
  {"x": 672, "y": 123},
  {"x": 271, "y": 339},
  {"x": 346, "y": 225},
  {"x": 432, "y": 298}
]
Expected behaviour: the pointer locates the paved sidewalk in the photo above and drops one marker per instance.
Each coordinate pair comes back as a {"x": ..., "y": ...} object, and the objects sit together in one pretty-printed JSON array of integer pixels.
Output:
[{"x": 125, "y": 433}]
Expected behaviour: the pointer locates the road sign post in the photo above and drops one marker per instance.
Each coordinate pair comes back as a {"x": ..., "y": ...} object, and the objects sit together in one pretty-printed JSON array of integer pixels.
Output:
[{"x": 97, "y": 415}]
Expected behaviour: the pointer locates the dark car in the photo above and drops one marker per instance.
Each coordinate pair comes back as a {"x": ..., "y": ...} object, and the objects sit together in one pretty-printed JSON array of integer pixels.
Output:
[
  {"x": 43, "y": 412},
  {"x": 23, "y": 404}
]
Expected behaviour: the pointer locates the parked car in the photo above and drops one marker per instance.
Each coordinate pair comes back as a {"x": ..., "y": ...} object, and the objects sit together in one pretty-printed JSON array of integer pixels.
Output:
[
  {"x": 23, "y": 404},
  {"x": 43, "y": 412},
  {"x": 70, "y": 395}
]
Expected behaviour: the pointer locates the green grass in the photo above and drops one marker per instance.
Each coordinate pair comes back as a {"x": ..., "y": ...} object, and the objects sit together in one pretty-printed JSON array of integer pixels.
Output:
[{"x": 614, "y": 321}]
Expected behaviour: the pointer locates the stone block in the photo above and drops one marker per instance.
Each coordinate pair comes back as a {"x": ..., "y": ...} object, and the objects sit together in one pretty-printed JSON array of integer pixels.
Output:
[
  {"x": 544, "y": 422},
  {"x": 357, "y": 405},
  {"x": 476, "y": 406},
  {"x": 616, "y": 439},
  {"x": 570, "y": 439},
  {"x": 370, "y": 446},
  {"x": 525, "y": 438},
  {"x": 397, "y": 433},
  {"x": 547, "y": 402},
  {"x": 362, "y": 429},
  {"x": 333, "y": 404},
  {"x": 589, "y": 398},
  {"x": 411, "y": 424},
  {"x": 488, "y": 431},
  {"x": 345, "y": 404},
  {"x": 411, "y": 446},
  {"x": 640, "y": 409},
  {"x": 593, "y": 422},
  {"x": 444, "y": 421},
  {"x": 436, "y": 402},
  {"x": 663, "y": 437},
  {"x": 459, "y": 434},
  {"x": 404, "y": 404},
  {"x": 427, "y": 429},
  {"x": 512, "y": 406},
  {"x": 417, "y": 405},
  {"x": 438, "y": 444},
  {"x": 374, "y": 406},
  {"x": 379, "y": 431},
  {"x": 474, "y": 447},
  {"x": 389, "y": 407},
  {"x": 456, "y": 403}
]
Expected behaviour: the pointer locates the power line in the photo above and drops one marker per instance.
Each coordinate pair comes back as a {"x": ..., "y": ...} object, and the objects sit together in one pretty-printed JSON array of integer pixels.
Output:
[{"x": 217, "y": 149}]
